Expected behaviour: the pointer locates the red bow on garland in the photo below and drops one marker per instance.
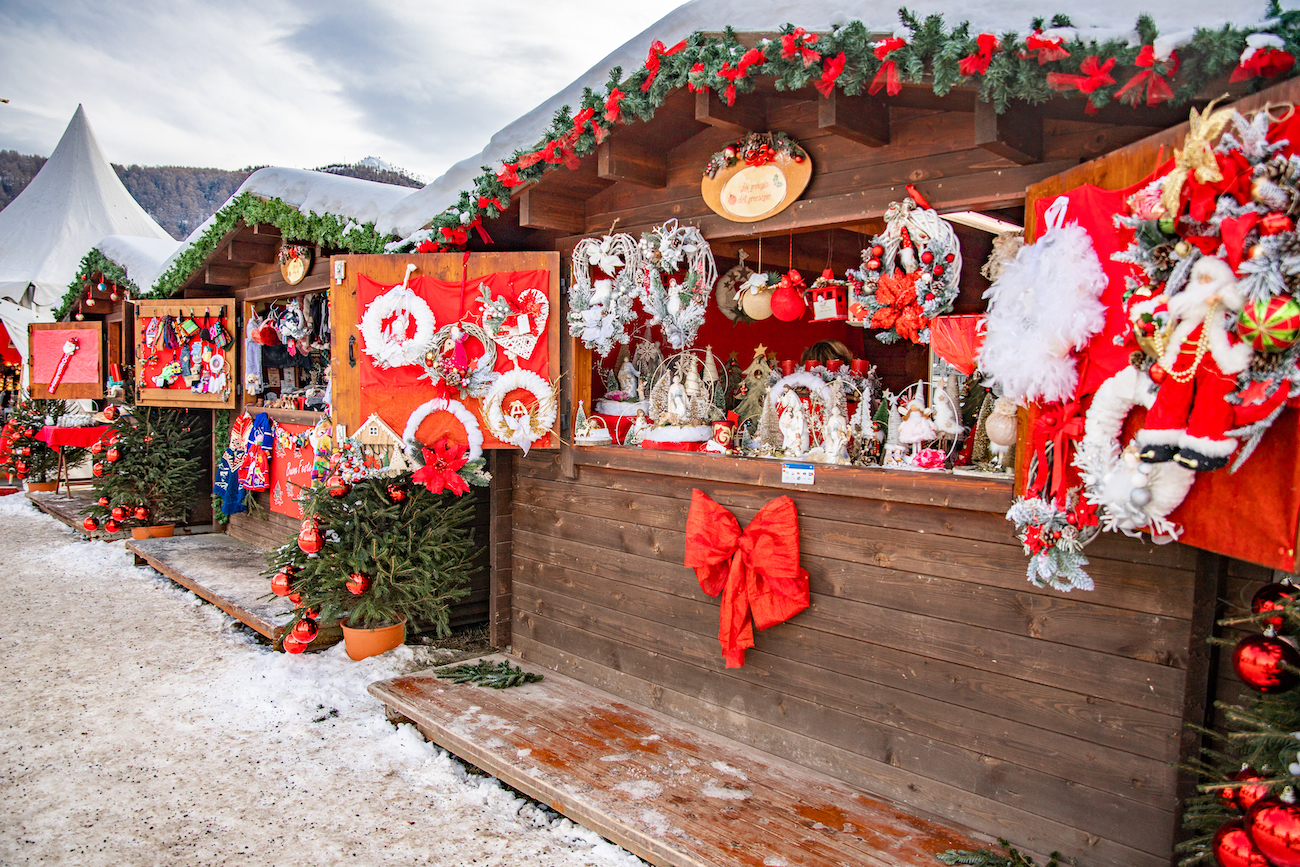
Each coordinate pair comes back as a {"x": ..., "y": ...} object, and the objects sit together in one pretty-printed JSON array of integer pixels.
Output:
[
  {"x": 900, "y": 310},
  {"x": 1094, "y": 75},
  {"x": 797, "y": 43},
  {"x": 1264, "y": 62},
  {"x": 887, "y": 74},
  {"x": 987, "y": 45},
  {"x": 1060, "y": 424},
  {"x": 1045, "y": 49},
  {"x": 657, "y": 53},
  {"x": 440, "y": 468},
  {"x": 1157, "y": 88},
  {"x": 729, "y": 95},
  {"x": 614, "y": 111},
  {"x": 693, "y": 78},
  {"x": 831, "y": 70},
  {"x": 484, "y": 201},
  {"x": 509, "y": 175},
  {"x": 756, "y": 571}
]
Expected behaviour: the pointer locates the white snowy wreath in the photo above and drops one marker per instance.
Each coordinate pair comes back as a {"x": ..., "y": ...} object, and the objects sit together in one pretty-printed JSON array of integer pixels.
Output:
[
  {"x": 473, "y": 433},
  {"x": 1113, "y": 476},
  {"x": 600, "y": 312},
  {"x": 804, "y": 379},
  {"x": 680, "y": 307},
  {"x": 389, "y": 347},
  {"x": 525, "y": 429}
]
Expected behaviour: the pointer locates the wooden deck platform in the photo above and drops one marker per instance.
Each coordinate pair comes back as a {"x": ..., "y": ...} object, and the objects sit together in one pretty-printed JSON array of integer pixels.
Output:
[
  {"x": 226, "y": 572},
  {"x": 667, "y": 791},
  {"x": 68, "y": 510}
]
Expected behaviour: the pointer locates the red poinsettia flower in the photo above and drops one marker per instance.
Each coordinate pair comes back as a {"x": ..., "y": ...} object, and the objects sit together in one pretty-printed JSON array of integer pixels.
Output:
[
  {"x": 900, "y": 310},
  {"x": 440, "y": 468}
]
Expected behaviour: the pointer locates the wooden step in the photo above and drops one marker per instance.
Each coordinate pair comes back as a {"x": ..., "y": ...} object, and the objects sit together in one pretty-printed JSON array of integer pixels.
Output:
[
  {"x": 227, "y": 573},
  {"x": 667, "y": 791},
  {"x": 69, "y": 510}
]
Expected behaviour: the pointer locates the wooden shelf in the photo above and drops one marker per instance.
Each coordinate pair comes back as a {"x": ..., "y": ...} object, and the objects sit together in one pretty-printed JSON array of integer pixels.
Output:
[
  {"x": 288, "y": 416},
  {"x": 972, "y": 493}
]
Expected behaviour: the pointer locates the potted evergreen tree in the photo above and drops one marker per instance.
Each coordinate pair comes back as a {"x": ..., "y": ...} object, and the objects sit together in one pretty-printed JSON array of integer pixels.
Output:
[
  {"x": 379, "y": 552},
  {"x": 31, "y": 459},
  {"x": 147, "y": 471}
]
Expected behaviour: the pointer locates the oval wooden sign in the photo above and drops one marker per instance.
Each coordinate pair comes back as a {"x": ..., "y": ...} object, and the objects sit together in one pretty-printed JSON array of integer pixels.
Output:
[
  {"x": 747, "y": 194},
  {"x": 295, "y": 262}
]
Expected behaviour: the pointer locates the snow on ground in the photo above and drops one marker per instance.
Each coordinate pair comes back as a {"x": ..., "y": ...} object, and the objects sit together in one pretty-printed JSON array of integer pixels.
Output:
[{"x": 140, "y": 725}]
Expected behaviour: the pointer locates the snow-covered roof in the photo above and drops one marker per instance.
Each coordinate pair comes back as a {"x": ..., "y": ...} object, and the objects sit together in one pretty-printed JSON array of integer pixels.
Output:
[
  {"x": 74, "y": 201},
  {"x": 142, "y": 258},
  {"x": 1098, "y": 21}
]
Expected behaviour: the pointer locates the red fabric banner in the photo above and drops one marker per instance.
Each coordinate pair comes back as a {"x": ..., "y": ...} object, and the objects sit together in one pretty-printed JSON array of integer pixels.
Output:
[{"x": 290, "y": 470}]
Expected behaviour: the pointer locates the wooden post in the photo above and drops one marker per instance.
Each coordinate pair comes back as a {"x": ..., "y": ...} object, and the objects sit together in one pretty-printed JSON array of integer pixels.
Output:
[
  {"x": 863, "y": 119},
  {"x": 501, "y": 499},
  {"x": 1016, "y": 134}
]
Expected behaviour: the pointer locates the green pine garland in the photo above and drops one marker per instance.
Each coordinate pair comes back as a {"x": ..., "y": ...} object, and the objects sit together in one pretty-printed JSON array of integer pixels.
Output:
[
  {"x": 985, "y": 858},
  {"x": 501, "y": 675},
  {"x": 94, "y": 262}
]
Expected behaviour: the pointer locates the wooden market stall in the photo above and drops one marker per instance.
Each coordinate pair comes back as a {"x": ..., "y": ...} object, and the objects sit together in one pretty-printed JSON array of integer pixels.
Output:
[{"x": 926, "y": 669}]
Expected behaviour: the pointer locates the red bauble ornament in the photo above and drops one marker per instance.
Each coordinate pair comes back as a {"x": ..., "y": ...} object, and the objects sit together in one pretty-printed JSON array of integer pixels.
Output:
[
  {"x": 90, "y": 524},
  {"x": 1232, "y": 847},
  {"x": 141, "y": 513},
  {"x": 1272, "y": 597},
  {"x": 927, "y": 257},
  {"x": 20, "y": 467},
  {"x": 338, "y": 487},
  {"x": 111, "y": 526},
  {"x": 938, "y": 270},
  {"x": 1244, "y": 797},
  {"x": 98, "y": 469},
  {"x": 111, "y": 412},
  {"x": 293, "y": 645},
  {"x": 97, "y": 447},
  {"x": 1274, "y": 828},
  {"x": 396, "y": 493},
  {"x": 873, "y": 264},
  {"x": 280, "y": 584},
  {"x": 1262, "y": 662},
  {"x": 1157, "y": 373},
  {"x": 27, "y": 451},
  {"x": 309, "y": 538},
  {"x": 103, "y": 502},
  {"x": 112, "y": 456},
  {"x": 305, "y": 630},
  {"x": 787, "y": 304},
  {"x": 357, "y": 583},
  {"x": 119, "y": 514},
  {"x": 877, "y": 251}
]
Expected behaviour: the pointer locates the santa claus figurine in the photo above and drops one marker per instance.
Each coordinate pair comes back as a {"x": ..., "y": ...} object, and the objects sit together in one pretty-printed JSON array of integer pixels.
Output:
[{"x": 1196, "y": 370}]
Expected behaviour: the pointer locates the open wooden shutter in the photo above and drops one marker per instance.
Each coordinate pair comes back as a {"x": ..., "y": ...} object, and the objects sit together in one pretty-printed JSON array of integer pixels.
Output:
[
  {"x": 178, "y": 394},
  {"x": 84, "y": 377}
]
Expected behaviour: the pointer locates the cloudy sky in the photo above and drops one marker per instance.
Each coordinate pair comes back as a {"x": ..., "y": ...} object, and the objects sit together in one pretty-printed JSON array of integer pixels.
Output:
[{"x": 298, "y": 83}]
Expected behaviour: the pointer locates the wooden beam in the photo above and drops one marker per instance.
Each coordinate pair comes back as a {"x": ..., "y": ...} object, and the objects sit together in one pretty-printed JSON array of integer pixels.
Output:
[
  {"x": 266, "y": 230},
  {"x": 746, "y": 115},
  {"x": 624, "y": 160},
  {"x": 1016, "y": 134},
  {"x": 225, "y": 275},
  {"x": 863, "y": 119},
  {"x": 245, "y": 252},
  {"x": 547, "y": 209}
]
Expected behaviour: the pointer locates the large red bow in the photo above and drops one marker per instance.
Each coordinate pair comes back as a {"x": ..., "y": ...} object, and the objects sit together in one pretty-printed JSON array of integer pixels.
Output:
[
  {"x": 756, "y": 571},
  {"x": 613, "y": 110},
  {"x": 831, "y": 70},
  {"x": 986, "y": 45},
  {"x": 1266, "y": 62},
  {"x": 887, "y": 74},
  {"x": 1060, "y": 424},
  {"x": 1157, "y": 89},
  {"x": 1095, "y": 74},
  {"x": 1045, "y": 49},
  {"x": 657, "y": 52},
  {"x": 797, "y": 43}
]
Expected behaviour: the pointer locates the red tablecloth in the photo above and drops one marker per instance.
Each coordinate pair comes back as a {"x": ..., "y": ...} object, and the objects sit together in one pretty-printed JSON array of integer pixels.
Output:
[{"x": 79, "y": 437}]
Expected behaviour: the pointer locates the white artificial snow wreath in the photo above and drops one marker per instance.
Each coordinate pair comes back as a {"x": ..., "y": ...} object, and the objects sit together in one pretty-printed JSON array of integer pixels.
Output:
[
  {"x": 600, "y": 312},
  {"x": 522, "y": 430},
  {"x": 803, "y": 379},
  {"x": 680, "y": 307},
  {"x": 473, "y": 433},
  {"x": 390, "y": 347},
  {"x": 1112, "y": 480}
]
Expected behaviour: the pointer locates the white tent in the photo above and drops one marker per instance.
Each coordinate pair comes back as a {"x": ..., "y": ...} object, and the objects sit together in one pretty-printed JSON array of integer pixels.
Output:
[{"x": 74, "y": 201}]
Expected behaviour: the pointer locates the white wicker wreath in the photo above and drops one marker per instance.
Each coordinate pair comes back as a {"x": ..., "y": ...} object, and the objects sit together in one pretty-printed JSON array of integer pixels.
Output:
[
  {"x": 600, "y": 313},
  {"x": 679, "y": 307},
  {"x": 473, "y": 433},
  {"x": 1112, "y": 481},
  {"x": 525, "y": 429},
  {"x": 481, "y": 373},
  {"x": 385, "y": 346}
]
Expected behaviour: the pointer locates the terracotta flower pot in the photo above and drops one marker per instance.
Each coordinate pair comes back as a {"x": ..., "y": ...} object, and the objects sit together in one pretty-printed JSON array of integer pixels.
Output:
[
  {"x": 157, "y": 532},
  {"x": 363, "y": 643},
  {"x": 42, "y": 486}
]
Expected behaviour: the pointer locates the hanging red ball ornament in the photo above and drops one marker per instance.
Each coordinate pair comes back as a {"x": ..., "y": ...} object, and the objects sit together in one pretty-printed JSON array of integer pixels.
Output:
[
  {"x": 927, "y": 257},
  {"x": 97, "y": 447},
  {"x": 295, "y": 597},
  {"x": 357, "y": 583},
  {"x": 1244, "y": 797},
  {"x": 1274, "y": 828},
  {"x": 142, "y": 513},
  {"x": 305, "y": 630},
  {"x": 90, "y": 524},
  {"x": 396, "y": 493},
  {"x": 309, "y": 538},
  {"x": 293, "y": 645},
  {"x": 111, "y": 526},
  {"x": 103, "y": 502},
  {"x": 1272, "y": 597},
  {"x": 873, "y": 264},
  {"x": 112, "y": 455},
  {"x": 338, "y": 487},
  {"x": 20, "y": 468},
  {"x": 787, "y": 303},
  {"x": 877, "y": 251},
  {"x": 1266, "y": 663},
  {"x": 1232, "y": 847},
  {"x": 111, "y": 412},
  {"x": 281, "y": 584},
  {"x": 119, "y": 514}
]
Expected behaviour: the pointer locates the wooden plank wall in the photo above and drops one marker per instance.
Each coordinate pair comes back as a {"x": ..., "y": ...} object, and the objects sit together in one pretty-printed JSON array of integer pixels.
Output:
[{"x": 927, "y": 670}]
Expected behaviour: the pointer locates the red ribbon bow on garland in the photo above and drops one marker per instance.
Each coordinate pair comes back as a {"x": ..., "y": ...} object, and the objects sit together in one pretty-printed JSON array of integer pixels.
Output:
[
  {"x": 614, "y": 111},
  {"x": 900, "y": 310},
  {"x": 1264, "y": 62},
  {"x": 756, "y": 571},
  {"x": 797, "y": 43},
  {"x": 1157, "y": 88},
  {"x": 484, "y": 201},
  {"x": 693, "y": 77},
  {"x": 729, "y": 95},
  {"x": 509, "y": 175},
  {"x": 1094, "y": 75},
  {"x": 987, "y": 45},
  {"x": 657, "y": 53},
  {"x": 1060, "y": 424},
  {"x": 887, "y": 74},
  {"x": 1046, "y": 49},
  {"x": 831, "y": 70}
]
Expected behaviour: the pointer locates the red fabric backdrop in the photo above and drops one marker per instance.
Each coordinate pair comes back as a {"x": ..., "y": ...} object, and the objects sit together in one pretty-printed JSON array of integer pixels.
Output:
[
  {"x": 290, "y": 470},
  {"x": 47, "y": 349}
]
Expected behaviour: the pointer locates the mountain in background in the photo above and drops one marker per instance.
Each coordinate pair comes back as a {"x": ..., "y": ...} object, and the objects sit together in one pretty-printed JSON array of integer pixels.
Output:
[{"x": 180, "y": 198}]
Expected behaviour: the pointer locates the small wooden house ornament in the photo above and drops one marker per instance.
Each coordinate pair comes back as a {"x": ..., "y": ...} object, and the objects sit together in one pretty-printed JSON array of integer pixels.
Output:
[
  {"x": 379, "y": 440},
  {"x": 828, "y": 298}
]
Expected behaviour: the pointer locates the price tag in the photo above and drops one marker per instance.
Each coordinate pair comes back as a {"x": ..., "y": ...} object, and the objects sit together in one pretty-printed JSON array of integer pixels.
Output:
[{"x": 797, "y": 474}]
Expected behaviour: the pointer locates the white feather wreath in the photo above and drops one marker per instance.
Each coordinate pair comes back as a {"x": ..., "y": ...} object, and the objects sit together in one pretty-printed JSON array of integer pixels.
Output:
[
  {"x": 527, "y": 429},
  {"x": 384, "y": 346},
  {"x": 1046, "y": 305},
  {"x": 473, "y": 433}
]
